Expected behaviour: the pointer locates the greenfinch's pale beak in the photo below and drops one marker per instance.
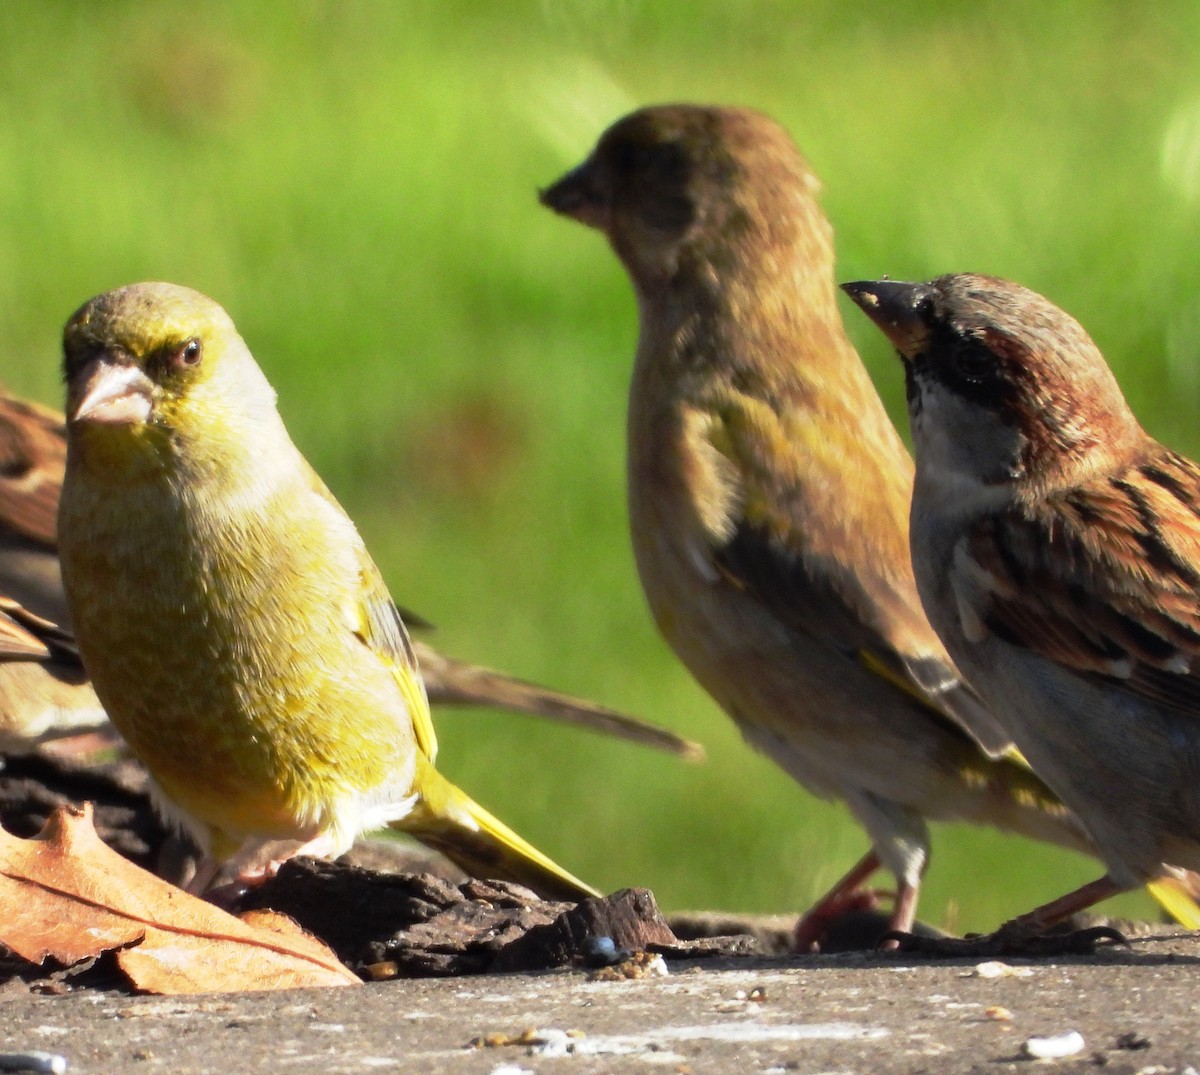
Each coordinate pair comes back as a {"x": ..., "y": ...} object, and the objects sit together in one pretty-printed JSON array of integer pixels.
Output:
[
  {"x": 900, "y": 311},
  {"x": 106, "y": 392},
  {"x": 581, "y": 195}
]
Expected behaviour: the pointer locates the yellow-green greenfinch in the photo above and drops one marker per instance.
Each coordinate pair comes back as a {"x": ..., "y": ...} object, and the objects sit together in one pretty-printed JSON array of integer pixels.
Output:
[
  {"x": 44, "y": 693},
  {"x": 229, "y": 615},
  {"x": 769, "y": 492},
  {"x": 1057, "y": 552}
]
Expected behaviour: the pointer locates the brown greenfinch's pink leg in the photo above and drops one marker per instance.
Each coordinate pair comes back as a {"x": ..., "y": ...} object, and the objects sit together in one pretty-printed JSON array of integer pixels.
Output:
[
  {"x": 904, "y": 913},
  {"x": 847, "y": 895}
]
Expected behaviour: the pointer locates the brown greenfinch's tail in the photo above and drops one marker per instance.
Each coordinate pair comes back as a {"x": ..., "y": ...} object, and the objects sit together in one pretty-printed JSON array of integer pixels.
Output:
[
  {"x": 447, "y": 819},
  {"x": 452, "y": 682}
]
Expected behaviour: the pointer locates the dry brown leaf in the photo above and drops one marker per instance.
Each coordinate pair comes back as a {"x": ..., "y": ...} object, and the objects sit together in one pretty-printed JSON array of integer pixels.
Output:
[{"x": 66, "y": 894}]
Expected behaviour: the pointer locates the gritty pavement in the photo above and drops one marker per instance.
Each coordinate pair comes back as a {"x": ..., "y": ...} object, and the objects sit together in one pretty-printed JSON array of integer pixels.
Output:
[{"x": 1135, "y": 1009}]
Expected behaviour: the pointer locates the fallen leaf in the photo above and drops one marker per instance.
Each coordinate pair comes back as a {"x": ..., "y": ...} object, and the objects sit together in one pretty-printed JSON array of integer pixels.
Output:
[{"x": 66, "y": 894}]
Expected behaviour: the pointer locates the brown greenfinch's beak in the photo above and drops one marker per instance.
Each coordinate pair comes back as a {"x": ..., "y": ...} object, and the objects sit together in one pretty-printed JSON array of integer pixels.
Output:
[
  {"x": 106, "y": 392},
  {"x": 580, "y": 195},
  {"x": 900, "y": 311}
]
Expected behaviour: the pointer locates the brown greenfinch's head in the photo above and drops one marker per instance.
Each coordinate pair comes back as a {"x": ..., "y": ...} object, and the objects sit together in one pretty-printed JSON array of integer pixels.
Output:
[
  {"x": 673, "y": 185},
  {"x": 158, "y": 361}
]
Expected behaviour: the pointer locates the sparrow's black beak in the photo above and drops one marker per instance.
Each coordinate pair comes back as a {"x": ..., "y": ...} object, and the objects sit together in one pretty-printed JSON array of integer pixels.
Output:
[
  {"x": 579, "y": 194},
  {"x": 901, "y": 311}
]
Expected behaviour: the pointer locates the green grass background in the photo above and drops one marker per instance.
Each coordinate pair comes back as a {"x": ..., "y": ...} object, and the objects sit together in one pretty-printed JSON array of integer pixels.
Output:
[{"x": 355, "y": 182}]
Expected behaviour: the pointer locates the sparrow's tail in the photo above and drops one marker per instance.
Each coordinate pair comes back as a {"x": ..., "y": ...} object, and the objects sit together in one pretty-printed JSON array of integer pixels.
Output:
[
  {"x": 447, "y": 819},
  {"x": 452, "y": 682}
]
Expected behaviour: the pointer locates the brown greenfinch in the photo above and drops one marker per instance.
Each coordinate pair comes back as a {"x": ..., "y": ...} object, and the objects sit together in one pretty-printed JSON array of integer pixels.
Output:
[
  {"x": 44, "y": 693},
  {"x": 1057, "y": 552},
  {"x": 229, "y": 615},
  {"x": 768, "y": 495}
]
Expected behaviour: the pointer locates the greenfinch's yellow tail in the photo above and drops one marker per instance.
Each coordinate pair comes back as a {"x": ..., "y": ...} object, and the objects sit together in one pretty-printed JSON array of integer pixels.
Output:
[
  {"x": 1176, "y": 896},
  {"x": 447, "y": 819}
]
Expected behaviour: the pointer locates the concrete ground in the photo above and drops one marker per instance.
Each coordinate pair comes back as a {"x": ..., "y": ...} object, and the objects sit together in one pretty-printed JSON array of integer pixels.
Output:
[{"x": 1134, "y": 1008}]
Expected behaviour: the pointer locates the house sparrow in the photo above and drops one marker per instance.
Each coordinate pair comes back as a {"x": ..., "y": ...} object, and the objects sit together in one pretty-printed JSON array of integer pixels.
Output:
[
  {"x": 43, "y": 690},
  {"x": 1057, "y": 553},
  {"x": 768, "y": 495},
  {"x": 229, "y": 615},
  {"x": 44, "y": 693}
]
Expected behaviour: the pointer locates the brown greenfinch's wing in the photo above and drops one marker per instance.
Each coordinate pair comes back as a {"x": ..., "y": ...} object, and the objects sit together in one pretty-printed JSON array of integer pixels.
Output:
[
  {"x": 32, "y": 458},
  {"x": 785, "y": 538},
  {"x": 452, "y": 682},
  {"x": 1103, "y": 580}
]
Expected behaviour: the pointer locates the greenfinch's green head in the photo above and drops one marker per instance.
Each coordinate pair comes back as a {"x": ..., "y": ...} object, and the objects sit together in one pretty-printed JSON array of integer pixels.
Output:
[{"x": 159, "y": 364}]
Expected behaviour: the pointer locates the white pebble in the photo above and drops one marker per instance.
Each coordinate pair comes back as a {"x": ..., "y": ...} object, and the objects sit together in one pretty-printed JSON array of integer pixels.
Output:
[
  {"x": 657, "y": 967},
  {"x": 553, "y": 1043},
  {"x": 1053, "y": 1048},
  {"x": 993, "y": 968}
]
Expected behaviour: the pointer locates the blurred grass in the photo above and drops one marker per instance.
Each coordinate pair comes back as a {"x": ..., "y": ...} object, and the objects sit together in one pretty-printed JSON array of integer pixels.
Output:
[{"x": 355, "y": 182}]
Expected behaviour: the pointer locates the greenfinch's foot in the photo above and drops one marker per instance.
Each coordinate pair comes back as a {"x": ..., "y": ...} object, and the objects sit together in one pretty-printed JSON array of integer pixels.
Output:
[{"x": 255, "y": 863}]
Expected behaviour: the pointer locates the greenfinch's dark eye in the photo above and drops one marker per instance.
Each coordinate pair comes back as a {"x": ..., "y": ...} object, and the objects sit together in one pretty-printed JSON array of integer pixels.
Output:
[{"x": 189, "y": 354}]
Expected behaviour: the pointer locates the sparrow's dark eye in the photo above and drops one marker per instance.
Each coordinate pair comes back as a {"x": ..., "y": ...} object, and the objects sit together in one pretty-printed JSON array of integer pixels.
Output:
[
  {"x": 188, "y": 355},
  {"x": 973, "y": 363}
]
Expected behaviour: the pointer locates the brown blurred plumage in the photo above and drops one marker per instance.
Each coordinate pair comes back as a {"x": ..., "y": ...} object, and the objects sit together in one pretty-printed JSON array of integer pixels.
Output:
[
  {"x": 43, "y": 691},
  {"x": 768, "y": 494}
]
